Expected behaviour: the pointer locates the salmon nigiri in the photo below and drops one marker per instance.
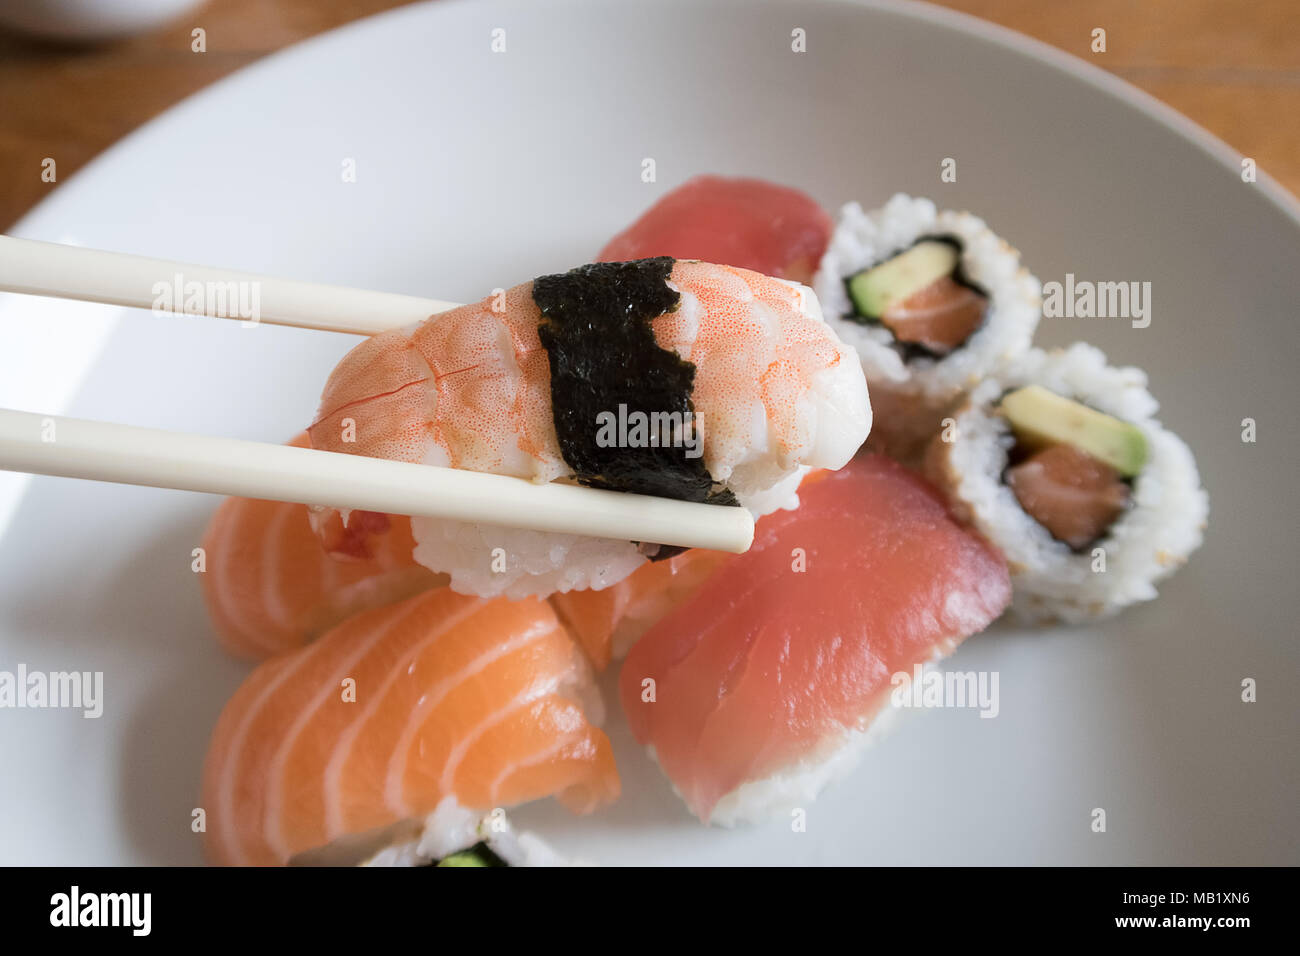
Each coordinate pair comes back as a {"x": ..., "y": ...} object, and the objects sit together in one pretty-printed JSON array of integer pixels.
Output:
[
  {"x": 377, "y": 724},
  {"x": 269, "y": 584},
  {"x": 752, "y": 690}
]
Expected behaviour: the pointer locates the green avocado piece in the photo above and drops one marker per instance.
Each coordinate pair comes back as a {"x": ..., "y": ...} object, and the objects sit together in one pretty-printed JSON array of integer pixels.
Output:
[
  {"x": 874, "y": 290},
  {"x": 1039, "y": 416},
  {"x": 467, "y": 858}
]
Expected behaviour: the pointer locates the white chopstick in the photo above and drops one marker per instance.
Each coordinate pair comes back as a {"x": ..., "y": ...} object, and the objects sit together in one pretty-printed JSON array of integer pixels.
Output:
[
  {"x": 32, "y": 267},
  {"x": 102, "y": 451}
]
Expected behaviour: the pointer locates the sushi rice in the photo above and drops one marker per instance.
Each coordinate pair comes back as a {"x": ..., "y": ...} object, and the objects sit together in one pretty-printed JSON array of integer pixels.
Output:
[
  {"x": 797, "y": 786},
  {"x": 1149, "y": 541},
  {"x": 864, "y": 239},
  {"x": 451, "y": 828}
]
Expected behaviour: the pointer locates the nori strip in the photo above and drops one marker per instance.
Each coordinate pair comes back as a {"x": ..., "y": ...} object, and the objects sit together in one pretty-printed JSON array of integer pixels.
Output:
[
  {"x": 667, "y": 551},
  {"x": 596, "y": 331}
]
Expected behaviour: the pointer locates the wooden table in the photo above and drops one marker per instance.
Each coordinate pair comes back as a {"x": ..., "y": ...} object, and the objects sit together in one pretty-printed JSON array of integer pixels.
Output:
[{"x": 1231, "y": 65}]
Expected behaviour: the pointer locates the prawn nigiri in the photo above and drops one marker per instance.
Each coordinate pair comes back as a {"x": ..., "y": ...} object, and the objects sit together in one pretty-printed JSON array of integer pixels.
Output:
[
  {"x": 742, "y": 222},
  {"x": 755, "y": 690},
  {"x": 269, "y": 585},
  {"x": 441, "y": 701},
  {"x": 657, "y": 376}
]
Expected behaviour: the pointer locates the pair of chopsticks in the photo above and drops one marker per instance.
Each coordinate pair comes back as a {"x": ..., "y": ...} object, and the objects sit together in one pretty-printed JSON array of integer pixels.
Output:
[{"x": 103, "y": 451}]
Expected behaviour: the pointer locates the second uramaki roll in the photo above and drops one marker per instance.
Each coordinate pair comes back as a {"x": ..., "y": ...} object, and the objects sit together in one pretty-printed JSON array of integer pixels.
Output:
[{"x": 1061, "y": 463}]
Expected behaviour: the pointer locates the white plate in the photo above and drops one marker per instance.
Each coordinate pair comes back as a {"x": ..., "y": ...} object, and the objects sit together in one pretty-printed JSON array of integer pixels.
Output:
[{"x": 477, "y": 169}]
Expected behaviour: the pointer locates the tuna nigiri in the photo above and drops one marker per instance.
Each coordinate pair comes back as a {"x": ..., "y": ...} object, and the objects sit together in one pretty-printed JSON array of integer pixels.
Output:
[
  {"x": 749, "y": 689},
  {"x": 270, "y": 586},
  {"x": 747, "y": 223},
  {"x": 441, "y": 700}
]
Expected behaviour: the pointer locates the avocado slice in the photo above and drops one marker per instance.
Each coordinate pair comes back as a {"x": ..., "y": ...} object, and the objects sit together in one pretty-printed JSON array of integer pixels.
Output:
[
  {"x": 468, "y": 858},
  {"x": 874, "y": 290},
  {"x": 1039, "y": 416},
  {"x": 480, "y": 854}
]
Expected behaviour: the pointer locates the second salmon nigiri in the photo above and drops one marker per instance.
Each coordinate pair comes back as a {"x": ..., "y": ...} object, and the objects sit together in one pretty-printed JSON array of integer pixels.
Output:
[
  {"x": 270, "y": 586},
  {"x": 393, "y": 713},
  {"x": 608, "y": 622},
  {"x": 750, "y": 690}
]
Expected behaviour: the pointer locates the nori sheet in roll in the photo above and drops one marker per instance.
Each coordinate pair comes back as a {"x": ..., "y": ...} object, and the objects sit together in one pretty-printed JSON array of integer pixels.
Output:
[{"x": 479, "y": 855}]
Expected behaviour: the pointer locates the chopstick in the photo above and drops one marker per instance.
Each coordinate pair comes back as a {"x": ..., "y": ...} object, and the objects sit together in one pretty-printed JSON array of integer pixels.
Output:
[
  {"x": 31, "y": 267},
  {"x": 103, "y": 451},
  {"x": 126, "y": 454}
]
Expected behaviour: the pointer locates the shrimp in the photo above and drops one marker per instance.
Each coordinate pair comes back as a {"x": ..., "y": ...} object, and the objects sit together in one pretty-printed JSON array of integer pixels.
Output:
[{"x": 773, "y": 393}]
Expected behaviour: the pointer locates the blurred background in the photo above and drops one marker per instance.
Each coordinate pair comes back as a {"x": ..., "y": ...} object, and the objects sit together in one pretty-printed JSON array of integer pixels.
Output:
[{"x": 77, "y": 75}]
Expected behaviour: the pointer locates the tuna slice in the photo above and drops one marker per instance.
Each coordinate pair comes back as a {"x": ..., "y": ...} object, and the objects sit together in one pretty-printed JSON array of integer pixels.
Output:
[
  {"x": 746, "y": 223},
  {"x": 786, "y": 655}
]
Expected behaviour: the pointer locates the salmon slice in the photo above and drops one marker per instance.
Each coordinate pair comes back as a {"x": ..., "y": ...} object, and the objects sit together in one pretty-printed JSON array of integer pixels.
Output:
[
  {"x": 789, "y": 651},
  {"x": 270, "y": 586},
  {"x": 746, "y": 223},
  {"x": 608, "y": 622},
  {"x": 373, "y": 725},
  {"x": 941, "y": 316},
  {"x": 1070, "y": 493}
]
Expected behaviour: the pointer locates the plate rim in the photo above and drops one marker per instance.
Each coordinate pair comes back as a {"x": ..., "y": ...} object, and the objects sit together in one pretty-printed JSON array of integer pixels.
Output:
[{"x": 31, "y": 224}]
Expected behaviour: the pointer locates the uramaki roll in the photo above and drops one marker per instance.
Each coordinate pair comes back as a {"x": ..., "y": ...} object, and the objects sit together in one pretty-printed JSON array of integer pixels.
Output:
[
  {"x": 1060, "y": 462},
  {"x": 932, "y": 301}
]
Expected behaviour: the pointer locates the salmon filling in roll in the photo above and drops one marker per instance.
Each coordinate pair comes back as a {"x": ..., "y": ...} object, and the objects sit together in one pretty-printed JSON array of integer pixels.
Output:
[
  {"x": 922, "y": 296},
  {"x": 1073, "y": 464}
]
